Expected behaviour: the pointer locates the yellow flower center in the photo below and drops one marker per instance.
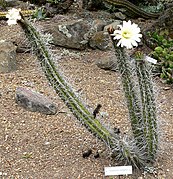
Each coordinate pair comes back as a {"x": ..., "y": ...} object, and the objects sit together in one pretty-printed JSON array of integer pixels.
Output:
[{"x": 126, "y": 34}]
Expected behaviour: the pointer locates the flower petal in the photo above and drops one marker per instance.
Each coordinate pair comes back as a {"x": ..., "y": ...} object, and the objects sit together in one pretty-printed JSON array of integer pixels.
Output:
[
  {"x": 128, "y": 35},
  {"x": 13, "y": 15}
]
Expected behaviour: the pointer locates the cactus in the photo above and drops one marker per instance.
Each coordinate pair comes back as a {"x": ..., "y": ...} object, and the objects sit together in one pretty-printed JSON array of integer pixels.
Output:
[
  {"x": 123, "y": 148},
  {"x": 140, "y": 101},
  {"x": 124, "y": 66}
]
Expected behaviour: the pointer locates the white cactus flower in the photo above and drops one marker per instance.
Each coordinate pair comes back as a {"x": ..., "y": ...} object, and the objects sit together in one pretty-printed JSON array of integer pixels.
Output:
[
  {"x": 13, "y": 15},
  {"x": 128, "y": 35}
]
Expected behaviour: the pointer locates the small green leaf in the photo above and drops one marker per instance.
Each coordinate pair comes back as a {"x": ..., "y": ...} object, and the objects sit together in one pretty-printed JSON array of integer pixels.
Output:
[{"x": 158, "y": 50}]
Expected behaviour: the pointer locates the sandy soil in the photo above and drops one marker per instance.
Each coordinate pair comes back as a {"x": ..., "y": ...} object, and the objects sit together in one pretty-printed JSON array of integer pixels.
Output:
[{"x": 34, "y": 145}]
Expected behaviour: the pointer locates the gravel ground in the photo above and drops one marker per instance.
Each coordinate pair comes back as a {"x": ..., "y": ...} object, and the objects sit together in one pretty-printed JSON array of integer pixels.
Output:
[{"x": 34, "y": 145}]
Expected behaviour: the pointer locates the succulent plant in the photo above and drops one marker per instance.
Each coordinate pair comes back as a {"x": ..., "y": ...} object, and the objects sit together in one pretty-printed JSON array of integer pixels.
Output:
[{"x": 163, "y": 52}]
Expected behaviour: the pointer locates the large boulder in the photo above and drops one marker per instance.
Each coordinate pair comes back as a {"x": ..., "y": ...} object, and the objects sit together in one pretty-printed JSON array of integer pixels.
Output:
[{"x": 70, "y": 34}]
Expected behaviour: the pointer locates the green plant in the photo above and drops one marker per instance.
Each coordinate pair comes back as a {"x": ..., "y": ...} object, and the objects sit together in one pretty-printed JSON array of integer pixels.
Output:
[
  {"x": 152, "y": 8},
  {"x": 163, "y": 52},
  {"x": 3, "y": 3},
  {"x": 148, "y": 106},
  {"x": 39, "y": 14}
]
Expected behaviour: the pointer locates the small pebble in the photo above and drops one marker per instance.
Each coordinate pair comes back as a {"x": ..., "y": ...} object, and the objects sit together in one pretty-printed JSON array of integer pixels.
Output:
[
  {"x": 47, "y": 143},
  {"x": 167, "y": 88}
]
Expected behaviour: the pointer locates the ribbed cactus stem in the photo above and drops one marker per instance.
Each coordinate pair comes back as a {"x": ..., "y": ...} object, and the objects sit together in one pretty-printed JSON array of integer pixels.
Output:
[
  {"x": 148, "y": 107},
  {"x": 119, "y": 146},
  {"x": 61, "y": 86},
  {"x": 140, "y": 101},
  {"x": 132, "y": 98}
]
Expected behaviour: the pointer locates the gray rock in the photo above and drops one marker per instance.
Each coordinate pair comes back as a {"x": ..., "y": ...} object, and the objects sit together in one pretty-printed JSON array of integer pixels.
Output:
[
  {"x": 7, "y": 56},
  {"x": 71, "y": 34},
  {"x": 34, "y": 101},
  {"x": 98, "y": 25},
  {"x": 107, "y": 63},
  {"x": 100, "y": 40}
]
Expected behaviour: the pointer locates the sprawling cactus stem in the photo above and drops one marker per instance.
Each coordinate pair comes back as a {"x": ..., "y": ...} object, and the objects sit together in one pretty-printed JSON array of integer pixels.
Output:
[
  {"x": 148, "y": 107},
  {"x": 61, "y": 86},
  {"x": 119, "y": 145}
]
